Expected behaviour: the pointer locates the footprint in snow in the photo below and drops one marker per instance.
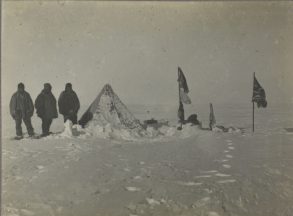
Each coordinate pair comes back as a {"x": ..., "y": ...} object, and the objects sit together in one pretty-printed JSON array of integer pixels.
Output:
[
  {"x": 227, "y": 166},
  {"x": 132, "y": 189},
  {"x": 202, "y": 202},
  {"x": 126, "y": 169},
  {"x": 190, "y": 183},
  {"x": 203, "y": 176},
  {"x": 210, "y": 171},
  {"x": 33, "y": 178},
  {"x": 222, "y": 175},
  {"x": 59, "y": 209},
  {"x": 27, "y": 212},
  {"x": 222, "y": 161},
  {"x": 137, "y": 177},
  {"x": 229, "y": 156},
  {"x": 208, "y": 191},
  {"x": 152, "y": 201},
  {"x": 231, "y": 148},
  {"x": 39, "y": 167},
  {"x": 226, "y": 181},
  {"x": 213, "y": 214},
  {"x": 226, "y": 151},
  {"x": 17, "y": 178},
  {"x": 11, "y": 211}
]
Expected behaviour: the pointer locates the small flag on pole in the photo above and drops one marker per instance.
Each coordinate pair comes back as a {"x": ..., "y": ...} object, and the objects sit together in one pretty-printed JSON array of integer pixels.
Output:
[
  {"x": 183, "y": 88},
  {"x": 259, "y": 95}
]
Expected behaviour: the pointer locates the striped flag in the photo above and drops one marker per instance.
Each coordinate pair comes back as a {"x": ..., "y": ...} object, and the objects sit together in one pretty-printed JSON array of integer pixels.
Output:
[
  {"x": 183, "y": 88},
  {"x": 259, "y": 95}
]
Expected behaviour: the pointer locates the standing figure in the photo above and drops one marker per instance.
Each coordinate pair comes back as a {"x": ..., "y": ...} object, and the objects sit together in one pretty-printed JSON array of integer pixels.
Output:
[
  {"x": 68, "y": 104},
  {"x": 46, "y": 108},
  {"x": 22, "y": 109}
]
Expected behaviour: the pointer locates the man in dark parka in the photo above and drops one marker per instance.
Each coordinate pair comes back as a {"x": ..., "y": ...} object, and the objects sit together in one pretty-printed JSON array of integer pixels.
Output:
[
  {"x": 68, "y": 103},
  {"x": 21, "y": 109},
  {"x": 46, "y": 108}
]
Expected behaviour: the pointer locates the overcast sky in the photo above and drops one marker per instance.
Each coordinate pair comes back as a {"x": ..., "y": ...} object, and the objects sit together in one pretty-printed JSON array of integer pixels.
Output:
[{"x": 137, "y": 47}]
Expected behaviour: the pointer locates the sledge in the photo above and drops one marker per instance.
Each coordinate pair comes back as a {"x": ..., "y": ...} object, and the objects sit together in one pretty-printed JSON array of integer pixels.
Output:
[{"x": 155, "y": 123}]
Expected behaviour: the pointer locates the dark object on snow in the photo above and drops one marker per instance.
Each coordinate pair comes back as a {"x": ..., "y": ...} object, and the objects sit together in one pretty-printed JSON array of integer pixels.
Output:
[
  {"x": 86, "y": 117},
  {"x": 46, "y": 108},
  {"x": 290, "y": 130},
  {"x": 221, "y": 127},
  {"x": 231, "y": 129},
  {"x": 21, "y": 109},
  {"x": 150, "y": 121},
  {"x": 193, "y": 120},
  {"x": 68, "y": 104},
  {"x": 155, "y": 123},
  {"x": 18, "y": 138}
]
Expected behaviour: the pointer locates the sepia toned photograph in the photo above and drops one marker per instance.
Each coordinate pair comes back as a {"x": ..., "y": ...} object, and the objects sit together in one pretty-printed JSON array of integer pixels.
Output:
[{"x": 146, "y": 108}]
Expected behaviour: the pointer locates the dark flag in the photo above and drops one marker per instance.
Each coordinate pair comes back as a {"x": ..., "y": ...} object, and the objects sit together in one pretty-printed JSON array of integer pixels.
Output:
[
  {"x": 259, "y": 95},
  {"x": 183, "y": 88}
]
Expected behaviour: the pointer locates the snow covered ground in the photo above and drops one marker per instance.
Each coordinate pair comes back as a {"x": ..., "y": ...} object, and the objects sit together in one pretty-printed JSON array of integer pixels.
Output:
[{"x": 191, "y": 172}]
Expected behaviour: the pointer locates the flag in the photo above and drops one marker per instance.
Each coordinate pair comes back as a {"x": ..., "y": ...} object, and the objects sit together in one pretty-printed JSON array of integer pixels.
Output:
[
  {"x": 259, "y": 95},
  {"x": 212, "y": 116},
  {"x": 183, "y": 88}
]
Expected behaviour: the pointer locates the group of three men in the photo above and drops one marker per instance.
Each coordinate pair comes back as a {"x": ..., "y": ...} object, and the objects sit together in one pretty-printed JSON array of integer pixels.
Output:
[{"x": 22, "y": 108}]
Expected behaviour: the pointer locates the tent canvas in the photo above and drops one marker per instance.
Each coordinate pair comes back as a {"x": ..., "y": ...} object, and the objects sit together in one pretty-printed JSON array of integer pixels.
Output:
[{"x": 107, "y": 108}]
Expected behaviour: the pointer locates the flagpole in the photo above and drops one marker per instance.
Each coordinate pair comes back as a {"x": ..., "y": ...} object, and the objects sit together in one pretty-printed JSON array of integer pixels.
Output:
[
  {"x": 178, "y": 89},
  {"x": 252, "y": 116},
  {"x": 253, "y": 106},
  {"x": 179, "y": 99}
]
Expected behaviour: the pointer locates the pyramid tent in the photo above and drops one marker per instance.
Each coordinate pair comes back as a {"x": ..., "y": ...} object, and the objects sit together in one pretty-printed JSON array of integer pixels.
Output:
[{"x": 107, "y": 108}]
